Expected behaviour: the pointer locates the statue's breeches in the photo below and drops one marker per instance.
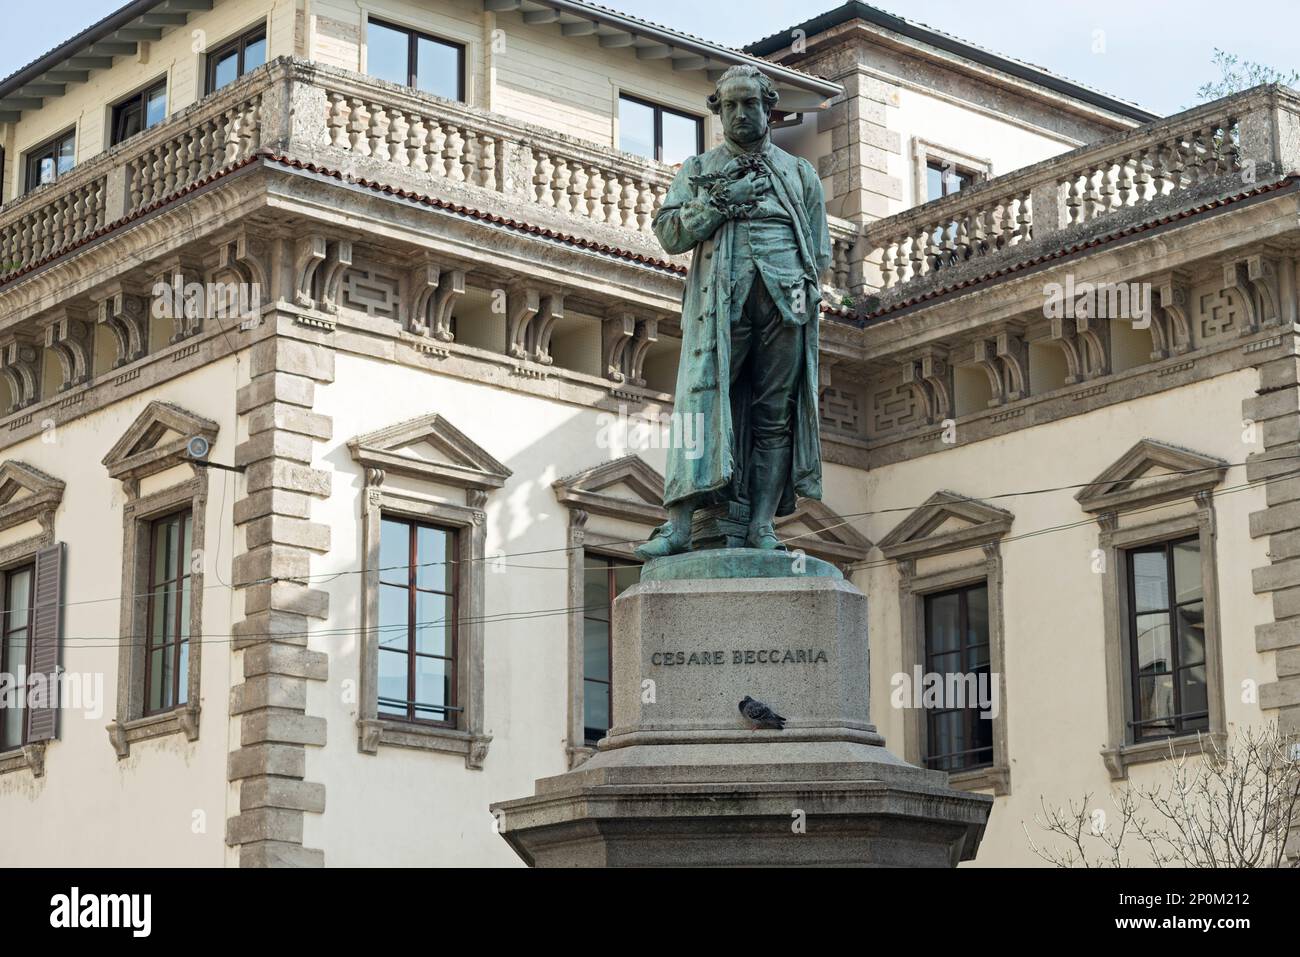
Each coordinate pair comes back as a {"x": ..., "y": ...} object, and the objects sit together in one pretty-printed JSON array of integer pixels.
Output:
[{"x": 767, "y": 359}]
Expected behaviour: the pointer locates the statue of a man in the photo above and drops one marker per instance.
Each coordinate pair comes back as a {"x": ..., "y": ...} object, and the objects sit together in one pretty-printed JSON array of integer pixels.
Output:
[{"x": 755, "y": 218}]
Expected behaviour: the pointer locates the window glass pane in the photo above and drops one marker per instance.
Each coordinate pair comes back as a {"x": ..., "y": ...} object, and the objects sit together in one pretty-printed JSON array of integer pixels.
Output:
[
  {"x": 45, "y": 171},
  {"x": 595, "y": 598},
  {"x": 1153, "y": 649},
  {"x": 1193, "y": 689},
  {"x": 185, "y": 608},
  {"x": 681, "y": 137},
  {"x": 254, "y": 54},
  {"x": 187, "y": 544},
  {"x": 945, "y": 738},
  {"x": 155, "y": 106},
  {"x": 595, "y": 649},
  {"x": 438, "y": 68},
  {"x": 595, "y": 709},
  {"x": 433, "y": 567},
  {"x": 394, "y": 552},
  {"x": 226, "y": 70},
  {"x": 1187, "y": 571},
  {"x": 432, "y": 687},
  {"x": 625, "y": 576},
  {"x": 160, "y": 631},
  {"x": 157, "y": 675},
  {"x": 20, "y": 584},
  {"x": 1191, "y": 634},
  {"x": 433, "y": 624},
  {"x": 942, "y": 632},
  {"x": 183, "y": 670},
  {"x": 933, "y": 183},
  {"x": 1150, "y": 581},
  {"x": 1155, "y": 701},
  {"x": 387, "y": 51},
  {"x": 977, "y": 615},
  {"x": 126, "y": 121},
  {"x": 67, "y": 157},
  {"x": 11, "y": 725},
  {"x": 394, "y": 614},
  {"x": 392, "y": 681},
  {"x": 636, "y": 128}
]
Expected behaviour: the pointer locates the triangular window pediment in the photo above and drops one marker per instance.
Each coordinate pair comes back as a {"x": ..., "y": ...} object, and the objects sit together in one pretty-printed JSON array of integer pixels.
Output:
[
  {"x": 429, "y": 448},
  {"x": 626, "y": 488},
  {"x": 27, "y": 494},
  {"x": 947, "y": 521},
  {"x": 158, "y": 439},
  {"x": 1149, "y": 473}
]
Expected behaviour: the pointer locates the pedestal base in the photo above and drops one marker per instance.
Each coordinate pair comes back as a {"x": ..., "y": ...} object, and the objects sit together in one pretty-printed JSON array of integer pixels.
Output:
[{"x": 682, "y": 780}]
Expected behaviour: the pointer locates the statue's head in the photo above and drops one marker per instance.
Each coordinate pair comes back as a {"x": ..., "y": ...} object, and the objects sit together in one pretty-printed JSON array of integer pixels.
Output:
[{"x": 744, "y": 99}]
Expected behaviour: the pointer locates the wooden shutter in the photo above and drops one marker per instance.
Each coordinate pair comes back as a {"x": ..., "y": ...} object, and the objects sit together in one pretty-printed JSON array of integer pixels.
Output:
[{"x": 47, "y": 622}]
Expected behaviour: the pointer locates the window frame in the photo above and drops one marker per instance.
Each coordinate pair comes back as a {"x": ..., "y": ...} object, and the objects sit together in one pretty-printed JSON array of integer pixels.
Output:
[
  {"x": 240, "y": 43},
  {"x": 28, "y": 565},
  {"x": 612, "y": 561},
  {"x": 38, "y": 152},
  {"x": 1180, "y": 717},
  {"x": 183, "y": 573},
  {"x": 140, "y": 96},
  {"x": 970, "y": 713},
  {"x": 413, "y": 37},
  {"x": 452, "y": 709},
  {"x": 659, "y": 109}
]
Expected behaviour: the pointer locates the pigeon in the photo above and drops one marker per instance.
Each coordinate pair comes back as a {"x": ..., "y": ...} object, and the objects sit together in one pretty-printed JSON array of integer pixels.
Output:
[{"x": 761, "y": 715}]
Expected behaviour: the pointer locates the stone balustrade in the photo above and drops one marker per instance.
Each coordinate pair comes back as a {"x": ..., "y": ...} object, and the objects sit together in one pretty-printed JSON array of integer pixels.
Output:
[{"x": 1213, "y": 151}]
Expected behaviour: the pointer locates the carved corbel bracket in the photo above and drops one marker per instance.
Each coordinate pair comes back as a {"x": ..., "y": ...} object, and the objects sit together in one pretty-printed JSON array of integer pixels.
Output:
[
  {"x": 1263, "y": 276},
  {"x": 984, "y": 355},
  {"x": 70, "y": 335},
  {"x": 1013, "y": 352},
  {"x": 337, "y": 261},
  {"x": 1065, "y": 337},
  {"x": 421, "y": 285},
  {"x": 178, "y": 281},
  {"x": 647, "y": 332},
  {"x": 1094, "y": 340},
  {"x": 616, "y": 333},
  {"x": 20, "y": 364},
  {"x": 246, "y": 258},
  {"x": 930, "y": 378},
  {"x": 309, "y": 253},
  {"x": 451, "y": 288},
  {"x": 1171, "y": 329},
  {"x": 1236, "y": 277},
  {"x": 126, "y": 315},
  {"x": 551, "y": 312},
  {"x": 524, "y": 304}
]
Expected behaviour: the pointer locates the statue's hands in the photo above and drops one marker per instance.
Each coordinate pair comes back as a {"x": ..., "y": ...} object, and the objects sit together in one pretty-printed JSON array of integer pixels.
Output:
[{"x": 744, "y": 191}]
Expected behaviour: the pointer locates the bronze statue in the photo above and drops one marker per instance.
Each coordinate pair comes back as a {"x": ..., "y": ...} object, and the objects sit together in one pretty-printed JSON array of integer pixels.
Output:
[{"x": 755, "y": 218}]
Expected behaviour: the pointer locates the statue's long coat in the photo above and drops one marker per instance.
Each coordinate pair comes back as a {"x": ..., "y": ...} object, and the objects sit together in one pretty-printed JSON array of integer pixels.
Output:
[{"x": 686, "y": 221}]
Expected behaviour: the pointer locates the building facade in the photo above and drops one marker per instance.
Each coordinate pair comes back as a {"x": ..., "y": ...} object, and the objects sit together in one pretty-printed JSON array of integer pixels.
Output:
[{"x": 345, "y": 327}]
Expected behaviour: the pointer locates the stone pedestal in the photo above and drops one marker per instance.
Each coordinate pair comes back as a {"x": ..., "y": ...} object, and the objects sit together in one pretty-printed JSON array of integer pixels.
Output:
[{"x": 682, "y": 780}]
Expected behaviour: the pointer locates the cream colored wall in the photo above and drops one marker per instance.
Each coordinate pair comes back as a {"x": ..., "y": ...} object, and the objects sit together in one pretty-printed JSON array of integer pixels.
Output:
[
  {"x": 1007, "y": 143},
  {"x": 177, "y": 56},
  {"x": 90, "y": 809},
  {"x": 405, "y": 807},
  {"x": 532, "y": 73},
  {"x": 1054, "y": 652}
]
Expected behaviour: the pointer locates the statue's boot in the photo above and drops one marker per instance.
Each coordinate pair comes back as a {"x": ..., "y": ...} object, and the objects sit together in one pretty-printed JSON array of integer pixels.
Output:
[
  {"x": 768, "y": 473},
  {"x": 670, "y": 538}
]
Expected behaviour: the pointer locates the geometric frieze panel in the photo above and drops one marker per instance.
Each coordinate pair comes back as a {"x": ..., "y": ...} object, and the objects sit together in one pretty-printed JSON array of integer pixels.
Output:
[
  {"x": 372, "y": 292},
  {"x": 892, "y": 409},
  {"x": 839, "y": 409}
]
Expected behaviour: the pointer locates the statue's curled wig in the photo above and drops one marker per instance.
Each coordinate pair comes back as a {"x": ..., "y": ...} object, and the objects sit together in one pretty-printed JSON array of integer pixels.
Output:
[{"x": 745, "y": 71}]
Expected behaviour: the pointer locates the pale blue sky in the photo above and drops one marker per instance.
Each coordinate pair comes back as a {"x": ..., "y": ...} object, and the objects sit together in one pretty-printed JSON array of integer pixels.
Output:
[{"x": 1156, "y": 52}]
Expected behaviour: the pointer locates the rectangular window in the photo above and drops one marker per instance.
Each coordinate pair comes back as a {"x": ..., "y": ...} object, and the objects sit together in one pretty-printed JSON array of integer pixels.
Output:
[
  {"x": 416, "y": 60},
  {"x": 944, "y": 179},
  {"x": 657, "y": 132},
  {"x": 417, "y": 622},
  {"x": 167, "y": 653},
  {"x": 236, "y": 57},
  {"x": 49, "y": 161},
  {"x": 957, "y": 645},
  {"x": 1166, "y": 636},
  {"x": 138, "y": 112},
  {"x": 605, "y": 579},
  {"x": 15, "y": 652}
]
